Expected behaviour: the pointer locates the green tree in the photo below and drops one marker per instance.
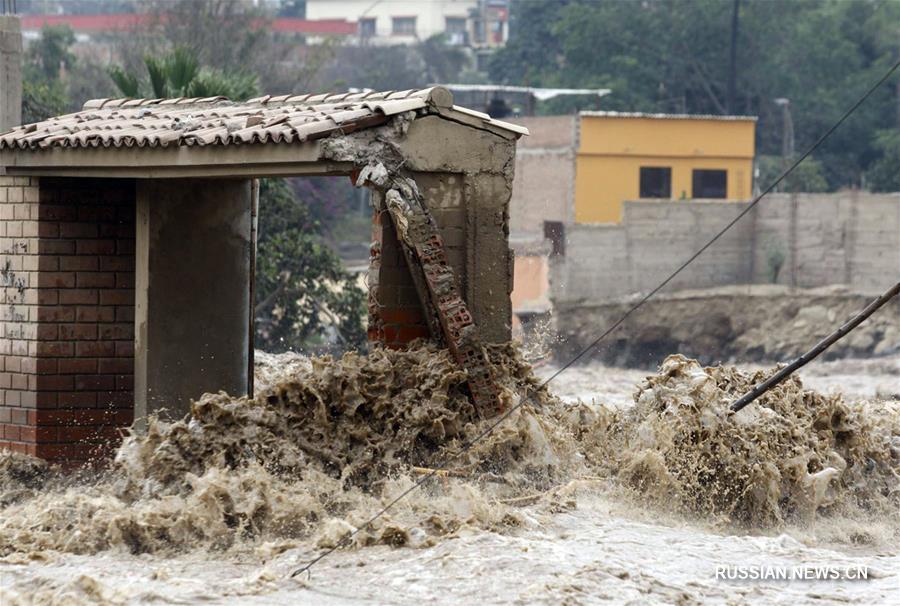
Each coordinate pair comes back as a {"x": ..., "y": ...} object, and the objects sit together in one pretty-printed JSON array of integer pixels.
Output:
[
  {"x": 179, "y": 74},
  {"x": 807, "y": 177},
  {"x": 303, "y": 292},
  {"x": 44, "y": 92},
  {"x": 672, "y": 56},
  {"x": 885, "y": 172}
]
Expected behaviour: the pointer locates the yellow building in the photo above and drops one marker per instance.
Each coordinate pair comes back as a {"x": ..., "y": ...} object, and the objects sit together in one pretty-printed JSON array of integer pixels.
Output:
[{"x": 635, "y": 156}]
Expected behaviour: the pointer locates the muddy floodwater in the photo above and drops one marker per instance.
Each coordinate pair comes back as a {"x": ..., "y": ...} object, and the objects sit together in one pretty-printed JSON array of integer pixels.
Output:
[{"x": 618, "y": 486}]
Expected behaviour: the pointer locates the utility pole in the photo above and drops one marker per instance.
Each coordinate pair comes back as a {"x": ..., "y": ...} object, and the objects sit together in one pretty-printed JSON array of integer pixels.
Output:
[
  {"x": 10, "y": 68},
  {"x": 732, "y": 68},
  {"x": 787, "y": 129}
]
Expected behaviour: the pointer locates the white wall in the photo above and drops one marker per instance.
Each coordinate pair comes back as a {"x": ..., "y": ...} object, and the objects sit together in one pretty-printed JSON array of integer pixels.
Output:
[{"x": 430, "y": 14}]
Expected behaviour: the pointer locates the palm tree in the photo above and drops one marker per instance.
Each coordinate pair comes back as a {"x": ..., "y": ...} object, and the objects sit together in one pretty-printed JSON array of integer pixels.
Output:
[{"x": 179, "y": 74}]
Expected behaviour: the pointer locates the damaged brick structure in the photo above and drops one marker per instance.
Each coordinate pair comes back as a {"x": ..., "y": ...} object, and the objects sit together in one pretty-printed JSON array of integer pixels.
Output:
[{"x": 127, "y": 246}]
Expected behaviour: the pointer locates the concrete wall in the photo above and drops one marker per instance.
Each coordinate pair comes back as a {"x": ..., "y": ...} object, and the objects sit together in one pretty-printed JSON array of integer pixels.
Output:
[
  {"x": 843, "y": 238},
  {"x": 67, "y": 341},
  {"x": 192, "y": 291},
  {"x": 10, "y": 72},
  {"x": 545, "y": 175},
  {"x": 466, "y": 177}
]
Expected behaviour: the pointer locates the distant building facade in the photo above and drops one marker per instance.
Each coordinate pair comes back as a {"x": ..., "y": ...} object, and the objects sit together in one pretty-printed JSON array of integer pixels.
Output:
[
  {"x": 474, "y": 23},
  {"x": 631, "y": 156},
  {"x": 583, "y": 168}
]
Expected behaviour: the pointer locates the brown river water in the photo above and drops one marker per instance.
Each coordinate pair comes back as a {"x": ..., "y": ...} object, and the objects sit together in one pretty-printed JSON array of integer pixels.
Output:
[{"x": 615, "y": 486}]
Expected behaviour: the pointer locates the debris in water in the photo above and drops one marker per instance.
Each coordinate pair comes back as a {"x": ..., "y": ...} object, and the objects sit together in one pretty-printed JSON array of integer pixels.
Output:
[{"x": 329, "y": 441}]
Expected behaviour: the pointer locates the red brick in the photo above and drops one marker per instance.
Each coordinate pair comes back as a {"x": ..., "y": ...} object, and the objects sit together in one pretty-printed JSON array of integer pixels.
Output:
[
  {"x": 55, "y": 247},
  {"x": 96, "y": 314},
  {"x": 5, "y": 414},
  {"x": 95, "y": 349},
  {"x": 125, "y": 382},
  {"x": 96, "y": 247},
  {"x": 53, "y": 349},
  {"x": 55, "y": 383},
  {"x": 58, "y": 452},
  {"x": 77, "y": 230},
  {"x": 83, "y": 263},
  {"x": 117, "y": 331},
  {"x": 47, "y": 230},
  {"x": 125, "y": 314},
  {"x": 47, "y": 296},
  {"x": 78, "y": 366},
  {"x": 76, "y": 332},
  {"x": 117, "y": 297},
  {"x": 46, "y": 434},
  {"x": 93, "y": 279},
  {"x": 45, "y": 399},
  {"x": 117, "y": 263},
  {"x": 94, "y": 213},
  {"x": 56, "y": 213},
  {"x": 43, "y": 366},
  {"x": 116, "y": 366},
  {"x": 78, "y": 296},
  {"x": 394, "y": 315},
  {"x": 27, "y": 434},
  {"x": 125, "y": 246},
  {"x": 52, "y": 279},
  {"x": 86, "y": 399},
  {"x": 53, "y": 314},
  {"x": 47, "y": 332},
  {"x": 125, "y": 279},
  {"x": 10, "y": 432},
  {"x": 118, "y": 399},
  {"x": 124, "y": 349},
  {"x": 95, "y": 382}
]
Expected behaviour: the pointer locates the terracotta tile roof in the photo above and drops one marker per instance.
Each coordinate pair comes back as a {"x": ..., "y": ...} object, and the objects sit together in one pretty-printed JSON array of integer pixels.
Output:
[{"x": 217, "y": 121}]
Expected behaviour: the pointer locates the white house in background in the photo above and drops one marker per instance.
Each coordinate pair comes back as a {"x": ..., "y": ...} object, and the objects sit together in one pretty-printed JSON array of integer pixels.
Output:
[{"x": 476, "y": 23}]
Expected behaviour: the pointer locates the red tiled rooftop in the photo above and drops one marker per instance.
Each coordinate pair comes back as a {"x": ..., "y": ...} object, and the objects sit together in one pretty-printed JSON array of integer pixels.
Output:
[{"x": 127, "y": 22}]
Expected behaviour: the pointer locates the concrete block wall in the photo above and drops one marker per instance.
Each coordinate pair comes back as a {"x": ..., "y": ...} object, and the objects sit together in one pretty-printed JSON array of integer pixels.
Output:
[
  {"x": 654, "y": 238},
  {"x": 67, "y": 258},
  {"x": 850, "y": 238},
  {"x": 544, "y": 175}
]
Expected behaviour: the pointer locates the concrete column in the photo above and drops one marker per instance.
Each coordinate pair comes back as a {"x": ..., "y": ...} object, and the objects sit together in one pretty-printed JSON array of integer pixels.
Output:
[
  {"x": 10, "y": 72},
  {"x": 192, "y": 314}
]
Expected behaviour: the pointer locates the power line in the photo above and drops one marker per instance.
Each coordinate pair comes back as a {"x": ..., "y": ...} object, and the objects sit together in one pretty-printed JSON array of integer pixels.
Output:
[{"x": 468, "y": 445}]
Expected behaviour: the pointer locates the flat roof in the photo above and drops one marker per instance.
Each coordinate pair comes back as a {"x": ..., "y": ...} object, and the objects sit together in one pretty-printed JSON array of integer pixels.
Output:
[{"x": 651, "y": 116}]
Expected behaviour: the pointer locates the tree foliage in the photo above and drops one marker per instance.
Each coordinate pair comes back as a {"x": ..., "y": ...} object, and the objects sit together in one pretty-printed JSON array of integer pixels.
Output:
[
  {"x": 885, "y": 173},
  {"x": 673, "y": 56},
  {"x": 303, "y": 292},
  {"x": 178, "y": 73}
]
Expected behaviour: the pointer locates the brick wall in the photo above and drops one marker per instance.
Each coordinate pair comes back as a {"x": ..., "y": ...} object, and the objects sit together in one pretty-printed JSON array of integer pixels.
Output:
[
  {"x": 67, "y": 346},
  {"x": 395, "y": 313}
]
